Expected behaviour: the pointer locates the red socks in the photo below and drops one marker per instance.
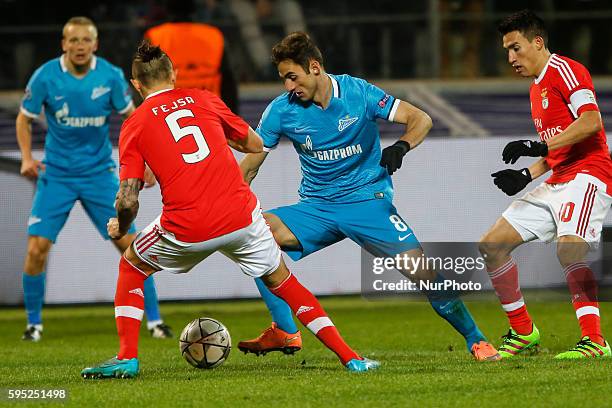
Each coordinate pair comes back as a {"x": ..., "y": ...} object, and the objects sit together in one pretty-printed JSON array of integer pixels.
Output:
[
  {"x": 506, "y": 284},
  {"x": 308, "y": 310},
  {"x": 129, "y": 308},
  {"x": 583, "y": 288}
]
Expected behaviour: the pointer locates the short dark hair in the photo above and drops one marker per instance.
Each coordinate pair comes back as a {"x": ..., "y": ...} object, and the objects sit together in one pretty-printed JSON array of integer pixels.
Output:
[
  {"x": 151, "y": 64},
  {"x": 299, "y": 48},
  {"x": 526, "y": 22}
]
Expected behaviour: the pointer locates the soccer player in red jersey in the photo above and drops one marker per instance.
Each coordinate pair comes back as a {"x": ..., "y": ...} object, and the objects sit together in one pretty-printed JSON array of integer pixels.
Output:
[
  {"x": 183, "y": 135},
  {"x": 570, "y": 205}
]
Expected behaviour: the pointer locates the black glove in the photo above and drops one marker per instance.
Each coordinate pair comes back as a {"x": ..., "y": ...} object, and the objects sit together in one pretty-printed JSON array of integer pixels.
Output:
[
  {"x": 392, "y": 156},
  {"x": 514, "y": 150},
  {"x": 511, "y": 181}
]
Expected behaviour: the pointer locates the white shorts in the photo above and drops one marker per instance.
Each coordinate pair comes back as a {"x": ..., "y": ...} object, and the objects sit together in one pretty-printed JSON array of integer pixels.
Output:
[
  {"x": 577, "y": 208},
  {"x": 253, "y": 248}
]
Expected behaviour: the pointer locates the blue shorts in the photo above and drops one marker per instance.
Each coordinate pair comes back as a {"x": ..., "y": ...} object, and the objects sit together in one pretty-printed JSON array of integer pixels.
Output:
[
  {"x": 55, "y": 197},
  {"x": 374, "y": 225}
]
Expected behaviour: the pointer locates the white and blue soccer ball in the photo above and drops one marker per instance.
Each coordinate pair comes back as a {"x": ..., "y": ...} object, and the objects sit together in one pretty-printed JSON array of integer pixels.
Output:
[{"x": 205, "y": 343}]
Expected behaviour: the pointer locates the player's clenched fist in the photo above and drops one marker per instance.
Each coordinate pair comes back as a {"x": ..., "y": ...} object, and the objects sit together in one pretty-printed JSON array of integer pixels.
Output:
[
  {"x": 512, "y": 181},
  {"x": 29, "y": 168},
  {"x": 112, "y": 227},
  {"x": 392, "y": 156},
  {"x": 514, "y": 150}
]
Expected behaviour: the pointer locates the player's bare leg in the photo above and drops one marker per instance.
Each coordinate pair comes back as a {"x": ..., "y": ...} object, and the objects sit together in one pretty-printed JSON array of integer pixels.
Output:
[
  {"x": 571, "y": 252},
  {"x": 155, "y": 325},
  {"x": 308, "y": 310},
  {"x": 129, "y": 309},
  {"x": 282, "y": 234},
  {"x": 450, "y": 308},
  {"x": 36, "y": 257},
  {"x": 34, "y": 284},
  {"x": 496, "y": 246},
  {"x": 282, "y": 335}
]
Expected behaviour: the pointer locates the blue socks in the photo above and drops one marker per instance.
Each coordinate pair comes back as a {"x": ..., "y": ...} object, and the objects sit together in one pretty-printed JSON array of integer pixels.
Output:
[
  {"x": 452, "y": 309},
  {"x": 34, "y": 296},
  {"x": 279, "y": 310},
  {"x": 151, "y": 304}
]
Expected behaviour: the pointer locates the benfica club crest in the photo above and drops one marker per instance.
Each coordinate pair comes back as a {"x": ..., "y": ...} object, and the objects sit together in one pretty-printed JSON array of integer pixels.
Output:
[{"x": 544, "y": 98}]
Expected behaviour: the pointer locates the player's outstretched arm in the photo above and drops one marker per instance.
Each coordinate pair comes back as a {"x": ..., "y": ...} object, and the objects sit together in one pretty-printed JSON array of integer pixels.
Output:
[
  {"x": 250, "y": 144},
  {"x": 250, "y": 164},
  {"x": 23, "y": 127},
  {"x": 417, "y": 124},
  {"x": 127, "y": 206}
]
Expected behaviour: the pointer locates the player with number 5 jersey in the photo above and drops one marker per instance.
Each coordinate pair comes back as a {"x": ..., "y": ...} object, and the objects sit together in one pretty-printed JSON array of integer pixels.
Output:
[
  {"x": 183, "y": 135},
  {"x": 203, "y": 196}
]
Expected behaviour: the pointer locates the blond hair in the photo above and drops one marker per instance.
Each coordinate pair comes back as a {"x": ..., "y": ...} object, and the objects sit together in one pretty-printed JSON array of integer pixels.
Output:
[{"x": 82, "y": 21}]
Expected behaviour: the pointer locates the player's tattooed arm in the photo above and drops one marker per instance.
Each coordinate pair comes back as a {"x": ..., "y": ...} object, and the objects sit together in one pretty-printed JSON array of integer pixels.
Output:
[{"x": 127, "y": 203}]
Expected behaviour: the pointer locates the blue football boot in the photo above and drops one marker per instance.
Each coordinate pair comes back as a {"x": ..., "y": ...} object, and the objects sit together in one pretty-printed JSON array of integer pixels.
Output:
[
  {"x": 114, "y": 367},
  {"x": 366, "y": 364}
]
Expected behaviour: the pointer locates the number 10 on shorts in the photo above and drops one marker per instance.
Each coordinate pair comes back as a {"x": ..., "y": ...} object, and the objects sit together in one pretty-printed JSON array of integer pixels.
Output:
[{"x": 566, "y": 211}]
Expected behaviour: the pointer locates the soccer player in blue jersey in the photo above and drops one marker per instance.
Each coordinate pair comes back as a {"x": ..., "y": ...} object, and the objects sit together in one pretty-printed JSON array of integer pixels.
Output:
[
  {"x": 78, "y": 92},
  {"x": 346, "y": 189}
]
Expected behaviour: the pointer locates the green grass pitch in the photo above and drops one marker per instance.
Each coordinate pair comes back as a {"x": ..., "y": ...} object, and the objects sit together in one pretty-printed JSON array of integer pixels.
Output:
[{"x": 424, "y": 363}]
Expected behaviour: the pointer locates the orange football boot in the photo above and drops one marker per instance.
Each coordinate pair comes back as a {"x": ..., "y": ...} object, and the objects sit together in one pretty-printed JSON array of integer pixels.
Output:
[
  {"x": 483, "y": 351},
  {"x": 272, "y": 339}
]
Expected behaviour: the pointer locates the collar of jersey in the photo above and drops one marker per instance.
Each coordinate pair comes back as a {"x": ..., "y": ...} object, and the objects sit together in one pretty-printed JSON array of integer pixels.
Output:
[
  {"x": 92, "y": 64},
  {"x": 539, "y": 78},
  {"x": 158, "y": 92},
  {"x": 335, "y": 90},
  {"x": 335, "y": 86}
]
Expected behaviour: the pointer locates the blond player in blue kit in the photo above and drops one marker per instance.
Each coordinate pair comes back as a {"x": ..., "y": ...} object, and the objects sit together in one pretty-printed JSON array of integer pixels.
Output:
[{"x": 78, "y": 92}]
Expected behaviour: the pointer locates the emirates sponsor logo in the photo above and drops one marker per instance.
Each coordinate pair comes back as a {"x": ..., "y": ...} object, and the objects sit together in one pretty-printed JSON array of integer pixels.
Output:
[{"x": 550, "y": 132}]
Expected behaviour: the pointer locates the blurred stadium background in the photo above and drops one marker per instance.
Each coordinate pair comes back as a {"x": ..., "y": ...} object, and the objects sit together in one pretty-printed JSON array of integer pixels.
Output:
[{"x": 444, "y": 56}]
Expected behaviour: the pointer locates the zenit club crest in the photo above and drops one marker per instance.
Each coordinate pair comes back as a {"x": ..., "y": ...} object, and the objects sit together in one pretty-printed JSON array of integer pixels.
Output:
[
  {"x": 544, "y": 98},
  {"x": 307, "y": 146}
]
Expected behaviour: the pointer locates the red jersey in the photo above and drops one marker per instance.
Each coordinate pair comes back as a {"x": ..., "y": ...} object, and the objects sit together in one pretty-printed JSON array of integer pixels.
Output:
[
  {"x": 181, "y": 134},
  {"x": 562, "y": 91}
]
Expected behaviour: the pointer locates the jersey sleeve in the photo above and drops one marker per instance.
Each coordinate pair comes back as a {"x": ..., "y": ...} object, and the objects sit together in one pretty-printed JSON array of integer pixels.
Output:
[
  {"x": 269, "y": 128},
  {"x": 234, "y": 126},
  {"x": 35, "y": 95},
  {"x": 121, "y": 97},
  {"x": 380, "y": 104},
  {"x": 576, "y": 86},
  {"x": 131, "y": 162}
]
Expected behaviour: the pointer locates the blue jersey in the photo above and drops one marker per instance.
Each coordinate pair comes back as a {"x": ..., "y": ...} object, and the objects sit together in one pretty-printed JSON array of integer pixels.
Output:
[
  {"x": 339, "y": 147},
  {"x": 77, "y": 111}
]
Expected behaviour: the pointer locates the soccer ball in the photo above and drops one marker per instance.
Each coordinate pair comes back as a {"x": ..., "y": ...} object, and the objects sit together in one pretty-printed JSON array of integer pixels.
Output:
[{"x": 205, "y": 343}]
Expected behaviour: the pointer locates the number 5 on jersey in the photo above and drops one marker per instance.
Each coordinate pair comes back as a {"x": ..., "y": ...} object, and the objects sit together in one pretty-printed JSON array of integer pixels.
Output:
[{"x": 180, "y": 132}]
